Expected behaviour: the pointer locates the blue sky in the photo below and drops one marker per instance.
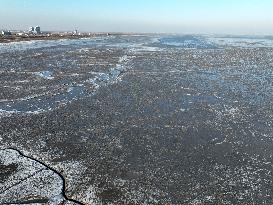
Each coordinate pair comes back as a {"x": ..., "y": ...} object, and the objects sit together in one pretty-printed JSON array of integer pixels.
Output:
[{"x": 171, "y": 16}]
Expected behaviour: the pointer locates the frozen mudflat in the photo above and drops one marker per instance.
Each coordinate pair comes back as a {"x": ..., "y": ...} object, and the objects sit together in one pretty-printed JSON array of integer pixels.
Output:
[{"x": 137, "y": 119}]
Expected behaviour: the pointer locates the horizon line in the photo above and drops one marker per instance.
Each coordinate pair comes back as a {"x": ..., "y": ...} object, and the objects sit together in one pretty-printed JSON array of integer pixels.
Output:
[{"x": 145, "y": 33}]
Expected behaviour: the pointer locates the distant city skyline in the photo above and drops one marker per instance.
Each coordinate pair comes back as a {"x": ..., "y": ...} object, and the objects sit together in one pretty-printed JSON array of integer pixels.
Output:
[{"x": 167, "y": 16}]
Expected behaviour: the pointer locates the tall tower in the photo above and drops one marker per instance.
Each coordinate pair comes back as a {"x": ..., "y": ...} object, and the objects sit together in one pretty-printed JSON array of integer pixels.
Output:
[{"x": 37, "y": 29}]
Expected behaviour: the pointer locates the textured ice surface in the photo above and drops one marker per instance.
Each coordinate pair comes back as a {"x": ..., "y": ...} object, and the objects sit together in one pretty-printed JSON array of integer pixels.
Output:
[
  {"x": 38, "y": 44},
  {"x": 41, "y": 103},
  {"x": 186, "y": 42},
  {"x": 242, "y": 41},
  {"x": 45, "y": 74},
  {"x": 161, "y": 119},
  {"x": 104, "y": 79},
  {"x": 27, "y": 181},
  {"x": 64, "y": 86}
]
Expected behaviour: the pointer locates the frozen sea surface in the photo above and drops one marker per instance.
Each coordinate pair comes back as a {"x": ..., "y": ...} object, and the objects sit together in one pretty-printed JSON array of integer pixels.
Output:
[
  {"x": 187, "y": 41},
  {"x": 242, "y": 41},
  {"x": 138, "y": 119}
]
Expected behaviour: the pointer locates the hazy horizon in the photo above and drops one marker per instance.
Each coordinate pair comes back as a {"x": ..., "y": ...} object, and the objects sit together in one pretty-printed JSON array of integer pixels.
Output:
[{"x": 154, "y": 16}]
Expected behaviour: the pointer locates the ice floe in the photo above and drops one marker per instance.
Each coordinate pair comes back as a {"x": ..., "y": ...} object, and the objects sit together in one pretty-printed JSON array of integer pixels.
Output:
[{"x": 45, "y": 74}]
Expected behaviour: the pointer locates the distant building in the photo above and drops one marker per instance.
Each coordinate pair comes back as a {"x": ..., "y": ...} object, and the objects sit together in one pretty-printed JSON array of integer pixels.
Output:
[
  {"x": 34, "y": 30},
  {"x": 6, "y": 33},
  {"x": 31, "y": 29},
  {"x": 37, "y": 30}
]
